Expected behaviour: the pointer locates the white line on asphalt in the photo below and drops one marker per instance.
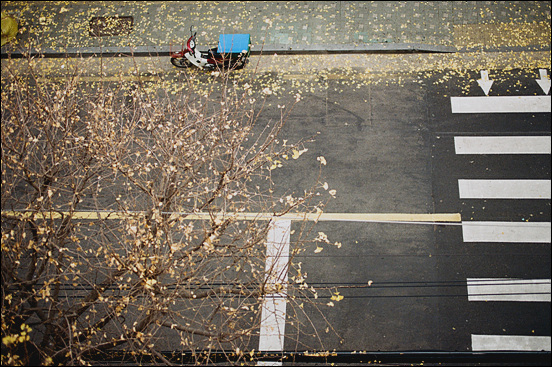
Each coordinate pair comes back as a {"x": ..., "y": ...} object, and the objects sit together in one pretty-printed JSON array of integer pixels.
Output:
[
  {"x": 503, "y": 289},
  {"x": 502, "y": 144},
  {"x": 269, "y": 363},
  {"x": 510, "y": 343},
  {"x": 500, "y": 104},
  {"x": 529, "y": 232},
  {"x": 273, "y": 314},
  {"x": 504, "y": 189}
]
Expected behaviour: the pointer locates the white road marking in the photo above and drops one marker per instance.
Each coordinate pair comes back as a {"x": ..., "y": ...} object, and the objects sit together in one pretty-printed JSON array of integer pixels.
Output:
[
  {"x": 273, "y": 324},
  {"x": 273, "y": 314},
  {"x": 503, "y": 289},
  {"x": 502, "y": 144},
  {"x": 510, "y": 343},
  {"x": 269, "y": 363},
  {"x": 530, "y": 232},
  {"x": 500, "y": 104},
  {"x": 544, "y": 81},
  {"x": 484, "y": 82},
  {"x": 504, "y": 189}
]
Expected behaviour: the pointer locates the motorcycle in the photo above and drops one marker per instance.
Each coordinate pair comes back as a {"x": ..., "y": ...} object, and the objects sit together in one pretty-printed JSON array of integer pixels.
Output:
[{"x": 232, "y": 52}]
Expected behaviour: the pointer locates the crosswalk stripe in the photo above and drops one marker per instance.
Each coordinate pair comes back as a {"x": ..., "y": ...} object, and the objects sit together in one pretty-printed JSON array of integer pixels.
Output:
[
  {"x": 502, "y": 144},
  {"x": 504, "y": 189},
  {"x": 529, "y": 232},
  {"x": 482, "y": 343},
  {"x": 503, "y": 289},
  {"x": 500, "y": 104}
]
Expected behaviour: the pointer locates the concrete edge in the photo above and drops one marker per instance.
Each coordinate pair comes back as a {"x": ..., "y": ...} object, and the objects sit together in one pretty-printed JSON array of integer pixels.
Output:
[
  {"x": 267, "y": 50},
  {"x": 292, "y": 49}
]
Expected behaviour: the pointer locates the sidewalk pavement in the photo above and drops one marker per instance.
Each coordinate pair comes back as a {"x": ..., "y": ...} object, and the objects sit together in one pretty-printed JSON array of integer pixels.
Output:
[{"x": 58, "y": 28}]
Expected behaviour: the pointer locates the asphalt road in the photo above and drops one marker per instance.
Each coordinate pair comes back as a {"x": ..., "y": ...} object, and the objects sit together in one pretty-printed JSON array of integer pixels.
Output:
[
  {"x": 377, "y": 147},
  {"x": 391, "y": 149},
  {"x": 460, "y": 259}
]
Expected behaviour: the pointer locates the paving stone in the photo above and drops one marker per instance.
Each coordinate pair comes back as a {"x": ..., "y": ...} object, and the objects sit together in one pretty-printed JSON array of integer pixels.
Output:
[{"x": 454, "y": 24}]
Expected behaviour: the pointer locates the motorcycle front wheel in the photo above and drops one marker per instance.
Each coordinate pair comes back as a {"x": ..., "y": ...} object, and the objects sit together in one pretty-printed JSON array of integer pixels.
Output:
[{"x": 180, "y": 62}]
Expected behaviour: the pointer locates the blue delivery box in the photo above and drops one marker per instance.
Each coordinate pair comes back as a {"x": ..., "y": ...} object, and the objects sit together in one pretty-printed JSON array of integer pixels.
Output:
[{"x": 234, "y": 44}]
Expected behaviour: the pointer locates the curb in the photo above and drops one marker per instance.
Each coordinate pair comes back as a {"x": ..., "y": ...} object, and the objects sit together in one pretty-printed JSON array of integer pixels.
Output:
[{"x": 293, "y": 49}]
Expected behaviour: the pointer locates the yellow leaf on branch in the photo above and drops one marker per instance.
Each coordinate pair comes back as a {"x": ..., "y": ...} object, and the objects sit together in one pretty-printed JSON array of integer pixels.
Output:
[{"x": 297, "y": 153}]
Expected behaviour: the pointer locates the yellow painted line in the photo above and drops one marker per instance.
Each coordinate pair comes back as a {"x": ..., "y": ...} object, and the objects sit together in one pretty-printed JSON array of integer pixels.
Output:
[
  {"x": 299, "y": 76},
  {"x": 348, "y": 76},
  {"x": 58, "y": 215},
  {"x": 89, "y": 79},
  {"x": 351, "y": 217},
  {"x": 392, "y": 217},
  {"x": 320, "y": 76}
]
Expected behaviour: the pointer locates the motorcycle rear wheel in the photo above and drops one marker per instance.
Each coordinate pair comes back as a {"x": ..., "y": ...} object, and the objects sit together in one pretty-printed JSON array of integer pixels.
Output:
[
  {"x": 240, "y": 64},
  {"x": 181, "y": 62}
]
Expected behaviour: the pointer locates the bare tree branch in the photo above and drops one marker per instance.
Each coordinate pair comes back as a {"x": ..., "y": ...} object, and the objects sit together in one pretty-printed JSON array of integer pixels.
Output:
[{"x": 152, "y": 276}]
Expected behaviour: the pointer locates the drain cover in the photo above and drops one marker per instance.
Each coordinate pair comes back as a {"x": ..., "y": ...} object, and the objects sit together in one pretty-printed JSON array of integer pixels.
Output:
[{"x": 111, "y": 26}]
